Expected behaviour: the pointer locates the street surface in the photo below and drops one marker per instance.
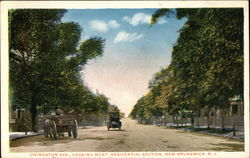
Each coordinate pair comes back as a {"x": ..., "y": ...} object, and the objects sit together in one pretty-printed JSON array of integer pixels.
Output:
[{"x": 133, "y": 137}]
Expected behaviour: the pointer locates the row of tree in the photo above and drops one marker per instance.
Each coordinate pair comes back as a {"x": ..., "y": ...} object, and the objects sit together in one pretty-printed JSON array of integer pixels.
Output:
[
  {"x": 206, "y": 68},
  {"x": 46, "y": 56}
]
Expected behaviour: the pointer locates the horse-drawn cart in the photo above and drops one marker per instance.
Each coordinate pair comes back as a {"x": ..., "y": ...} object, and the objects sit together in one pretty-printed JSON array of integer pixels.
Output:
[{"x": 56, "y": 125}]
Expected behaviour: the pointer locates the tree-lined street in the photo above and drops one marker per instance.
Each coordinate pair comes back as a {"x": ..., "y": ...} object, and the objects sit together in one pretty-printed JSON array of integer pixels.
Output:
[
  {"x": 88, "y": 67},
  {"x": 133, "y": 137}
]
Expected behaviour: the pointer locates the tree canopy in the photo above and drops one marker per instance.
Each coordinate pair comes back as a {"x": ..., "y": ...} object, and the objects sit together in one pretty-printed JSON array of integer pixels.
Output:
[
  {"x": 46, "y": 55},
  {"x": 206, "y": 68}
]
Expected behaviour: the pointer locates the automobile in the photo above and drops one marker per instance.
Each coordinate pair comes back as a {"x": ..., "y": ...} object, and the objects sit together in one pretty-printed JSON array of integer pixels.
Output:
[{"x": 114, "y": 120}]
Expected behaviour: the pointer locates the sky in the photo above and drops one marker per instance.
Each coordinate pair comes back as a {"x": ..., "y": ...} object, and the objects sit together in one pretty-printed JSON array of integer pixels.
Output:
[{"x": 134, "y": 51}]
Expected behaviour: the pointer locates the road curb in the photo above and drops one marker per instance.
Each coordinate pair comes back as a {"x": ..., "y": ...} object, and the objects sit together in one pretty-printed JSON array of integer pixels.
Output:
[
  {"x": 207, "y": 133},
  {"x": 214, "y": 134},
  {"x": 25, "y": 136}
]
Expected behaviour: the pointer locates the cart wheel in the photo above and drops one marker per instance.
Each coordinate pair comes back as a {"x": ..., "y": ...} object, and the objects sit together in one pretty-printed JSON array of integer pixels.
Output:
[
  {"x": 75, "y": 130},
  {"x": 54, "y": 130}
]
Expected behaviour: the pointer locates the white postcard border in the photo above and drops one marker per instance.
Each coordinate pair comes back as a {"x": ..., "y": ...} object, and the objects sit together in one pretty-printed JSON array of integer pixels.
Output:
[{"x": 114, "y": 4}]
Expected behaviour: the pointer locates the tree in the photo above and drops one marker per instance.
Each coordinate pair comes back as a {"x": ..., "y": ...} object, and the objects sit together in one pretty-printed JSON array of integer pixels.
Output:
[
  {"x": 31, "y": 35},
  {"x": 207, "y": 60},
  {"x": 45, "y": 62},
  {"x": 206, "y": 67}
]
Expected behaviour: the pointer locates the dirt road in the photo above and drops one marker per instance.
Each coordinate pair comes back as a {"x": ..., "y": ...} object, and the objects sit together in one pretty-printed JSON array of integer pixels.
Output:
[{"x": 132, "y": 137}]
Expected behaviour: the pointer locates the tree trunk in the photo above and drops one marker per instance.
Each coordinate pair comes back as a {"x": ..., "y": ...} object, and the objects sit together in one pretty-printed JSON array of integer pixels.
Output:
[
  {"x": 192, "y": 121},
  {"x": 198, "y": 124},
  {"x": 165, "y": 119},
  {"x": 222, "y": 119},
  {"x": 44, "y": 108},
  {"x": 173, "y": 119},
  {"x": 185, "y": 119},
  {"x": 234, "y": 126},
  {"x": 208, "y": 118},
  {"x": 177, "y": 121},
  {"x": 33, "y": 111},
  {"x": 208, "y": 121}
]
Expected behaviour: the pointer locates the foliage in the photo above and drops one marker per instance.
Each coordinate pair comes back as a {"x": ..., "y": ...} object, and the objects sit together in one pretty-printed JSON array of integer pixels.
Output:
[
  {"x": 206, "y": 68},
  {"x": 45, "y": 61}
]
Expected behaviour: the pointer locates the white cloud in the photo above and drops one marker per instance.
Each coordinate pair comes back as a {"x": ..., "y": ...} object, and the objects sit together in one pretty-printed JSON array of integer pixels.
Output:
[
  {"x": 98, "y": 25},
  {"x": 102, "y": 26},
  {"x": 141, "y": 18},
  {"x": 113, "y": 24},
  {"x": 138, "y": 18},
  {"x": 123, "y": 36}
]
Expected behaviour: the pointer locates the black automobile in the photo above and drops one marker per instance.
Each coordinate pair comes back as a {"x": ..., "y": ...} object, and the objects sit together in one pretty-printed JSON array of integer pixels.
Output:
[{"x": 114, "y": 120}]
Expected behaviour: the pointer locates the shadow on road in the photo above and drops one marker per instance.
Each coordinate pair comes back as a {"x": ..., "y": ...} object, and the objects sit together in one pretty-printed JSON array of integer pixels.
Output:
[
  {"x": 40, "y": 140},
  {"x": 229, "y": 147},
  {"x": 94, "y": 138},
  {"x": 122, "y": 130}
]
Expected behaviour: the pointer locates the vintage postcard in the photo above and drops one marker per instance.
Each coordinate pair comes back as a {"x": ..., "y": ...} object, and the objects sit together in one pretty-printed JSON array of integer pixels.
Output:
[{"x": 124, "y": 79}]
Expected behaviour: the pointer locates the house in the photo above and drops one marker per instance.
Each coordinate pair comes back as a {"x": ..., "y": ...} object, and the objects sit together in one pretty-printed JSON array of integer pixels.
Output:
[
  {"x": 233, "y": 116},
  {"x": 20, "y": 120}
]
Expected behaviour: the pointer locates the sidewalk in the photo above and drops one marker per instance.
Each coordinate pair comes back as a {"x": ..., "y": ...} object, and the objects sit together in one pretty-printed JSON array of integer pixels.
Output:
[
  {"x": 227, "y": 132},
  {"x": 18, "y": 135}
]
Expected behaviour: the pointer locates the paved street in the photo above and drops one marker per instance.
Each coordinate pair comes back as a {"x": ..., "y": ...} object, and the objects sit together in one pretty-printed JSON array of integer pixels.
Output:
[{"x": 132, "y": 137}]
